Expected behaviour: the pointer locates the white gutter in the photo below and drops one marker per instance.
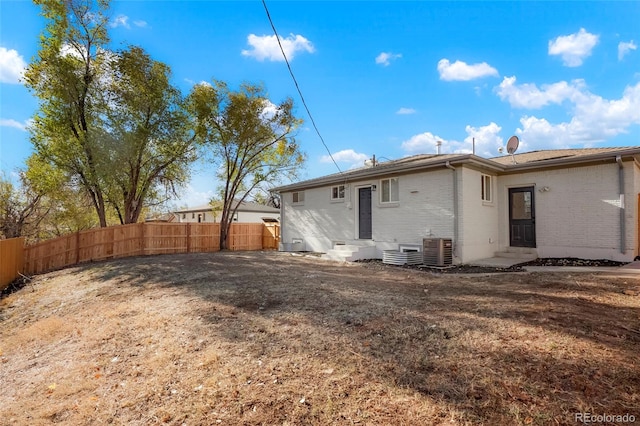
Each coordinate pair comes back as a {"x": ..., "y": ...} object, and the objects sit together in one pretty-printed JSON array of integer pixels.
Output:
[
  {"x": 455, "y": 207},
  {"x": 622, "y": 208}
]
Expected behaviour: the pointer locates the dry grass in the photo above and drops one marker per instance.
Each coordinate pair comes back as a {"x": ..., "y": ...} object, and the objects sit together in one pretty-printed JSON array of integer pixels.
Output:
[{"x": 268, "y": 338}]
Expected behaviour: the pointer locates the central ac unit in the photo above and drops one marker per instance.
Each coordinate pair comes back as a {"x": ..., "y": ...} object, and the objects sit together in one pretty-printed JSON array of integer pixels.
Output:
[{"x": 437, "y": 251}]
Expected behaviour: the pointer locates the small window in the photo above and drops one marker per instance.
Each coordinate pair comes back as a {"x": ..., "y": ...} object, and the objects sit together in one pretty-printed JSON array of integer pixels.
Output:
[
  {"x": 184, "y": 215},
  {"x": 389, "y": 190},
  {"x": 298, "y": 197},
  {"x": 193, "y": 215},
  {"x": 486, "y": 188},
  {"x": 337, "y": 193}
]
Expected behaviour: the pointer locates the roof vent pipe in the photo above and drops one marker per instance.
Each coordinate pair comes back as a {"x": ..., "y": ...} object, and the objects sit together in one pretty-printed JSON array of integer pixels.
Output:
[{"x": 438, "y": 145}]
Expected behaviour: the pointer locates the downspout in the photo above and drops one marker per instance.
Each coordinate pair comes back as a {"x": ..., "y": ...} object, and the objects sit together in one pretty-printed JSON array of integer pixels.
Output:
[
  {"x": 622, "y": 215},
  {"x": 282, "y": 210},
  {"x": 455, "y": 207}
]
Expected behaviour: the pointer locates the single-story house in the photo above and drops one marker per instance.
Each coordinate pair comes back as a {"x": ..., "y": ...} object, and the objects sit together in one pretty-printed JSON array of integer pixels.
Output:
[
  {"x": 161, "y": 218},
  {"x": 248, "y": 212},
  {"x": 554, "y": 203}
]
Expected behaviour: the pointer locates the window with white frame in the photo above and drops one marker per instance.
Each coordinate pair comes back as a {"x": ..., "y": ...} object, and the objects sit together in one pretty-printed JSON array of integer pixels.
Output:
[
  {"x": 337, "y": 193},
  {"x": 486, "y": 188},
  {"x": 298, "y": 197},
  {"x": 389, "y": 190}
]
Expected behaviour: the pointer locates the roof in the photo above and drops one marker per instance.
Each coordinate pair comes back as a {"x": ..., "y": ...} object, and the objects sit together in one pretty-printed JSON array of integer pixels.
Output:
[
  {"x": 503, "y": 164},
  {"x": 244, "y": 207},
  {"x": 551, "y": 154}
]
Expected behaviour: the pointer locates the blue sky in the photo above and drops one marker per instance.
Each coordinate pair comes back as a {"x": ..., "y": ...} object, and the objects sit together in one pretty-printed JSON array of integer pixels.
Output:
[{"x": 383, "y": 78}]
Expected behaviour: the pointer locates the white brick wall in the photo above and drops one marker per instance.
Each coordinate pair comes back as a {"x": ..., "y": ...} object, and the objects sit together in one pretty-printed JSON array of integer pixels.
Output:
[
  {"x": 579, "y": 215},
  {"x": 478, "y": 229},
  {"x": 425, "y": 209}
]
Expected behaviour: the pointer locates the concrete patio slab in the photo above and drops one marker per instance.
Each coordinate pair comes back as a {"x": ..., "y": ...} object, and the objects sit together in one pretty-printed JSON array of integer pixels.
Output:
[{"x": 499, "y": 262}]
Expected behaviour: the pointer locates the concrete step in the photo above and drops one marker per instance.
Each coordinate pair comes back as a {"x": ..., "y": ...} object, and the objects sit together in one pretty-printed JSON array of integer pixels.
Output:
[
  {"x": 349, "y": 253},
  {"x": 521, "y": 250},
  {"x": 516, "y": 255}
]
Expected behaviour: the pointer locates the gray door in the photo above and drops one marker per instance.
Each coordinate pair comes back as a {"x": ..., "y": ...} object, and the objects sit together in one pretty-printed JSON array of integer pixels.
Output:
[
  {"x": 364, "y": 213},
  {"x": 522, "y": 217}
]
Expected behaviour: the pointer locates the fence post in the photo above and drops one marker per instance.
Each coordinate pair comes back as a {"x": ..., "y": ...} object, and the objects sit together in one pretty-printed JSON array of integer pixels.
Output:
[
  {"x": 188, "y": 237},
  {"x": 143, "y": 245},
  {"x": 77, "y": 247}
]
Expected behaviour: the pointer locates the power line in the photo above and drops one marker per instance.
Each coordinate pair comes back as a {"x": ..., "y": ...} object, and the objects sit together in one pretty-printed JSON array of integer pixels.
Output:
[{"x": 298, "y": 87}]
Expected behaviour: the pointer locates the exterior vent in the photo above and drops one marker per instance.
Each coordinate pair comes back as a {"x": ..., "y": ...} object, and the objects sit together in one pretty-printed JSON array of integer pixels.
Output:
[
  {"x": 396, "y": 257},
  {"x": 437, "y": 251}
]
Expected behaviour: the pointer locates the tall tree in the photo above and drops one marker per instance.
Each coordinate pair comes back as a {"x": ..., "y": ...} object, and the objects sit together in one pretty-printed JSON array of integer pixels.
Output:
[
  {"x": 151, "y": 144},
  {"x": 110, "y": 121},
  {"x": 66, "y": 76},
  {"x": 21, "y": 208},
  {"x": 251, "y": 139}
]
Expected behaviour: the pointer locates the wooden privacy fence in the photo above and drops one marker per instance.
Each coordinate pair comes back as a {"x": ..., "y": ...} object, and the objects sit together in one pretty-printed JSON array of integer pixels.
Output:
[
  {"x": 11, "y": 260},
  {"x": 143, "y": 239}
]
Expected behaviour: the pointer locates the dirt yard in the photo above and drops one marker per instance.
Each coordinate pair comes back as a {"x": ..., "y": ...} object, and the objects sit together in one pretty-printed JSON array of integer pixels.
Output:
[{"x": 249, "y": 338}]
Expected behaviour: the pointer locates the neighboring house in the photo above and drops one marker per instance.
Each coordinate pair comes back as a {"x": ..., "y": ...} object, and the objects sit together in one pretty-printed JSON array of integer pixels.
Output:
[
  {"x": 161, "y": 218},
  {"x": 558, "y": 203},
  {"x": 247, "y": 213}
]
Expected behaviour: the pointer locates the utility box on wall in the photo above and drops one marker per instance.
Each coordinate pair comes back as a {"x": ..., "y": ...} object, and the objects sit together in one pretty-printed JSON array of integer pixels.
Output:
[
  {"x": 296, "y": 244},
  {"x": 437, "y": 251}
]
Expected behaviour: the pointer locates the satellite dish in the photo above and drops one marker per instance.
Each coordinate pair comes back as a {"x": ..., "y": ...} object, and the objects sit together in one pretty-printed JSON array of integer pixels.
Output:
[{"x": 512, "y": 144}]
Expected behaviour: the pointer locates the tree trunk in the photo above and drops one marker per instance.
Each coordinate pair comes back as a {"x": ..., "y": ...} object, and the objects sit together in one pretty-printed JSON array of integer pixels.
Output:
[{"x": 223, "y": 236}]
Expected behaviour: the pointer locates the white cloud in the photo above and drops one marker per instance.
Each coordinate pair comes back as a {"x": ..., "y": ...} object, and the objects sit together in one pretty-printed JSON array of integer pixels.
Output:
[
  {"x": 269, "y": 110},
  {"x": 460, "y": 71},
  {"x": 385, "y": 58},
  {"x": 191, "y": 197},
  {"x": 573, "y": 48},
  {"x": 487, "y": 139},
  {"x": 594, "y": 120},
  {"x": 120, "y": 21},
  {"x": 4, "y": 122},
  {"x": 354, "y": 159},
  {"x": 266, "y": 47},
  {"x": 423, "y": 143},
  {"x": 624, "y": 48},
  {"x": 487, "y": 142},
  {"x": 12, "y": 66},
  {"x": 140, "y": 23},
  {"x": 405, "y": 111},
  {"x": 530, "y": 96}
]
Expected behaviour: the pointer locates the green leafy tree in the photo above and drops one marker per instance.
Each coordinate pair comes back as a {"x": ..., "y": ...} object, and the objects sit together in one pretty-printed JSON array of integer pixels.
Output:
[
  {"x": 251, "y": 140},
  {"x": 267, "y": 197},
  {"x": 110, "y": 122},
  {"x": 66, "y": 76},
  {"x": 21, "y": 208},
  {"x": 150, "y": 143}
]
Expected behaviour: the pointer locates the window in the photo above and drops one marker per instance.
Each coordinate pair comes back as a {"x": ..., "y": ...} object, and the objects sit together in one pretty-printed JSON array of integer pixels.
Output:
[
  {"x": 184, "y": 215},
  {"x": 298, "y": 197},
  {"x": 486, "y": 188},
  {"x": 389, "y": 190},
  {"x": 337, "y": 193},
  {"x": 193, "y": 215}
]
